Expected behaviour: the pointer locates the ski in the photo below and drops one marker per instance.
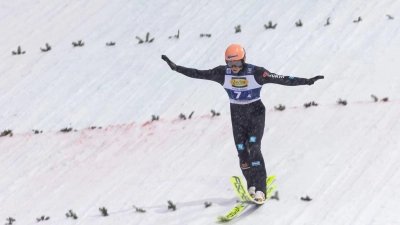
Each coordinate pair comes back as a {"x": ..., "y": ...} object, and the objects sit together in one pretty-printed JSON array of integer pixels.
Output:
[
  {"x": 233, "y": 213},
  {"x": 245, "y": 198}
]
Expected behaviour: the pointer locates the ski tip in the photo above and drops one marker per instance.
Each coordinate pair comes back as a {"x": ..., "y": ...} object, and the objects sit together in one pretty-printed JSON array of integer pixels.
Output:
[
  {"x": 270, "y": 191},
  {"x": 222, "y": 219}
]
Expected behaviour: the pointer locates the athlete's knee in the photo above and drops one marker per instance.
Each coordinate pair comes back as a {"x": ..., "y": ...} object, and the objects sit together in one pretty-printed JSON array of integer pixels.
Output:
[
  {"x": 253, "y": 139},
  {"x": 240, "y": 147},
  {"x": 254, "y": 142},
  {"x": 243, "y": 152}
]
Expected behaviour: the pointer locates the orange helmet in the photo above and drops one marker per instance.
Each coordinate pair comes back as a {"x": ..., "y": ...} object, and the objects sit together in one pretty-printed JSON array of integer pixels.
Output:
[{"x": 235, "y": 52}]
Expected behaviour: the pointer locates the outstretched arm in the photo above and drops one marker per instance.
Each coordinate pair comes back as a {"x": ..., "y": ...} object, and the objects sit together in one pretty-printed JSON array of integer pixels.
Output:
[
  {"x": 216, "y": 74},
  {"x": 263, "y": 76}
]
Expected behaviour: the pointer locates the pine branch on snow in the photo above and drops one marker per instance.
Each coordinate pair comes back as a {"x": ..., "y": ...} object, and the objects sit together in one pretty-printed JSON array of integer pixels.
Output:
[
  {"x": 10, "y": 221},
  {"x": 94, "y": 127},
  {"x": 71, "y": 214},
  {"x": 238, "y": 29},
  {"x": 103, "y": 211},
  {"x": 358, "y": 20},
  {"x": 67, "y": 129},
  {"x": 310, "y": 104},
  {"x": 6, "y": 132},
  {"x": 48, "y": 48},
  {"x": 139, "y": 209},
  {"x": 214, "y": 113},
  {"x": 270, "y": 26},
  {"x": 171, "y": 205},
  {"x": 42, "y": 218},
  {"x": 207, "y": 204},
  {"x": 140, "y": 40},
  {"x": 153, "y": 117},
  {"x": 148, "y": 40},
  {"x": 182, "y": 116},
  {"x": 327, "y": 22},
  {"x": 306, "y": 199},
  {"x": 342, "y": 102},
  {"x": 175, "y": 36},
  {"x": 205, "y": 35},
  {"x": 275, "y": 196},
  {"x": 385, "y": 99},
  {"x": 375, "y": 98},
  {"x": 78, "y": 44},
  {"x": 18, "y": 52},
  {"x": 147, "y": 36},
  {"x": 190, "y": 116},
  {"x": 280, "y": 107}
]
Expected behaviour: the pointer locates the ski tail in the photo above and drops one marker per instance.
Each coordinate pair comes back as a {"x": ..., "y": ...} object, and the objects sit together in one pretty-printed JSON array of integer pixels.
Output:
[
  {"x": 270, "y": 179},
  {"x": 270, "y": 191},
  {"x": 270, "y": 188},
  {"x": 244, "y": 196}
]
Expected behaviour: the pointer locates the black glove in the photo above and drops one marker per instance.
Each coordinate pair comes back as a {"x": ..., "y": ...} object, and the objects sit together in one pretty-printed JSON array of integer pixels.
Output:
[
  {"x": 312, "y": 80},
  {"x": 170, "y": 63}
]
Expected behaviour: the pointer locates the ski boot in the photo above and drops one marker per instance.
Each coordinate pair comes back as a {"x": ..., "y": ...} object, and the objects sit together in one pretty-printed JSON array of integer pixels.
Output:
[
  {"x": 259, "y": 197},
  {"x": 252, "y": 191}
]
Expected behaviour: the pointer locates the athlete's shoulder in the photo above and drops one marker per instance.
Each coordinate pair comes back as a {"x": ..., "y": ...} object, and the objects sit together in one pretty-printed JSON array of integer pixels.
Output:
[
  {"x": 259, "y": 68},
  {"x": 261, "y": 71}
]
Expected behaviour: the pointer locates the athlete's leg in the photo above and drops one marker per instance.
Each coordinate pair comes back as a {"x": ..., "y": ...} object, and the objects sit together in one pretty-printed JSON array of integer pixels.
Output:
[
  {"x": 255, "y": 134},
  {"x": 242, "y": 147}
]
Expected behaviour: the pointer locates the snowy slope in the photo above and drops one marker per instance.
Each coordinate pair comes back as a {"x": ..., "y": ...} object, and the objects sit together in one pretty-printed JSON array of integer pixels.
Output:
[{"x": 344, "y": 157}]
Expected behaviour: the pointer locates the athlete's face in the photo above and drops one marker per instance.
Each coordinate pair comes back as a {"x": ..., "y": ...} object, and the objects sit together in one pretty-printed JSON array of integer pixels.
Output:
[
  {"x": 235, "y": 65},
  {"x": 236, "y": 69}
]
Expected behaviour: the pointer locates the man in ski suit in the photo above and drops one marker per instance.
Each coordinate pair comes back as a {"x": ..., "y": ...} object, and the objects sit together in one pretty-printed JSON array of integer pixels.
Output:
[{"x": 243, "y": 83}]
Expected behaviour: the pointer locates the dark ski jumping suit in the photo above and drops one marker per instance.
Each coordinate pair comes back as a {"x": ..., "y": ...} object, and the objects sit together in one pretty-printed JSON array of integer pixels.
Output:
[{"x": 247, "y": 110}]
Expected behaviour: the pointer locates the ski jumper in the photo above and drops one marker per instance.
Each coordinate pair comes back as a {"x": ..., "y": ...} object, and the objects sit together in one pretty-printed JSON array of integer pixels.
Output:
[{"x": 247, "y": 112}]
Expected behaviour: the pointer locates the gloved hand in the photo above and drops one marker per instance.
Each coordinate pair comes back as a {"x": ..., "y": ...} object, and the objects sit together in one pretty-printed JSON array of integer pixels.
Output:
[
  {"x": 170, "y": 63},
  {"x": 312, "y": 80}
]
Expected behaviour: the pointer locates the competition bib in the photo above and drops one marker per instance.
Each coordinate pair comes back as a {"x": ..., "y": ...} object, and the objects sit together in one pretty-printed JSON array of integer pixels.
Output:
[{"x": 242, "y": 89}]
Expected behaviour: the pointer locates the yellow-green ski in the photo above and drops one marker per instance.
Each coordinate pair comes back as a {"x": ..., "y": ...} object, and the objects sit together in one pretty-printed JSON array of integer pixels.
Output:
[
  {"x": 233, "y": 213},
  {"x": 244, "y": 196},
  {"x": 241, "y": 189},
  {"x": 270, "y": 191}
]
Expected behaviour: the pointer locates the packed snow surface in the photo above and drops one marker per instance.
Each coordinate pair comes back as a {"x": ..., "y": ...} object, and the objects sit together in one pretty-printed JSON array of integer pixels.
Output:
[{"x": 345, "y": 158}]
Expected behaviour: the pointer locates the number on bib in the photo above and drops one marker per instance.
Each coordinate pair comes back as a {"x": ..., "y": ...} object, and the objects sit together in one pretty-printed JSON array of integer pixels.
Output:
[{"x": 242, "y": 95}]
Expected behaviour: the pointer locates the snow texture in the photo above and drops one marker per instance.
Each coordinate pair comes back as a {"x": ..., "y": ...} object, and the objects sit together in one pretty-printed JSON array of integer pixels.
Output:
[{"x": 346, "y": 158}]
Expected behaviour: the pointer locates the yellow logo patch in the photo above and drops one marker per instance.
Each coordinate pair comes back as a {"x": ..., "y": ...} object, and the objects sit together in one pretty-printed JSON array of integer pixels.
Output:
[{"x": 239, "y": 82}]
